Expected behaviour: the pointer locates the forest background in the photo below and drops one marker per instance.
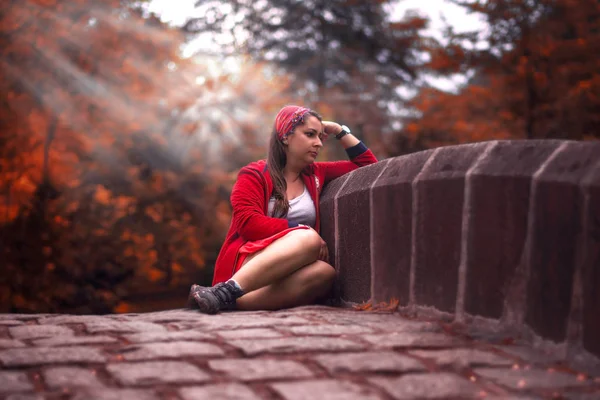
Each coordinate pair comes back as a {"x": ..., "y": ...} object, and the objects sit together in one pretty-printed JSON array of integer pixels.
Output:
[{"x": 119, "y": 147}]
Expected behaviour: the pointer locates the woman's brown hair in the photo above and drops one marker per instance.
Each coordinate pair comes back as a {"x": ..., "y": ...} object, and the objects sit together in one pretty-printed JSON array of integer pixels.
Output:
[{"x": 276, "y": 161}]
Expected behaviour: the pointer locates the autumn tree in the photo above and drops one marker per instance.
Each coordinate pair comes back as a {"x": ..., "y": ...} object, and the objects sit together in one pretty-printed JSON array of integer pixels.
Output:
[
  {"x": 548, "y": 52},
  {"x": 534, "y": 75},
  {"x": 346, "y": 57},
  {"x": 111, "y": 173}
]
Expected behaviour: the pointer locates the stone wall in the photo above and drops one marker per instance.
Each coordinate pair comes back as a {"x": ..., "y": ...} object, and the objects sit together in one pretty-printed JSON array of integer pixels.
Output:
[{"x": 505, "y": 230}]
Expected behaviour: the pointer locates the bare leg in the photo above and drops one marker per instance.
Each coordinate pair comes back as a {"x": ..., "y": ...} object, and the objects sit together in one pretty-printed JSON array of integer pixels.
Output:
[
  {"x": 284, "y": 274},
  {"x": 303, "y": 286},
  {"x": 280, "y": 259}
]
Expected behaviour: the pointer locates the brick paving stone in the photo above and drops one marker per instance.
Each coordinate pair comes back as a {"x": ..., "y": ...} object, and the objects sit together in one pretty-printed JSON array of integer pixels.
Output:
[
  {"x": 7, "y": 343},
  {"x": 372, "y": 361},
  {"x": 38, "y": 331},
  {"x": 23, "y": 317},
  {"x": 439, "y": 385},
  {"x": 260, "y": 369},
  {"x": 531, "y": 355},
  {"x": 10, "y": 322},
  {"x": 60, "y": 377},
  {"x": 12, "y": 381},
  {"x": 116, "y": 394},
  {"x": 144, "y": 337},
  {"x": 73, "y": 340},
  {"x": 249, "y": 333},
  {"x": 462, "y": 358},
  {"x": 223, "y": 391},
  {"x": 412, "y": 339},
  {"x": 512, "y": 397},
  {"x": 582, "y": 396},
  {"x": 24, "y": 396},
  {"x": 220, "y": 323},
  {"x": 166, "y": 316},
  {"x": 294, "y": 344},
  {"x": 386, "y": 322},
  {"x": 153, "y": 351},
  {"x": 122, "y": 326},
  {"x": 49, "y": 355},
  {"x": 326, "y": 389},
  {"x": 328, "y": 329},
  {"x": 71, "y": 319},
  {"x": 156, "y": 372},
  {"x": 532, "y": 378}
]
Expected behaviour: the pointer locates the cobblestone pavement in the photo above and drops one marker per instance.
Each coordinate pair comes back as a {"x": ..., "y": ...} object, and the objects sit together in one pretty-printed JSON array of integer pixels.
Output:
[{"x": 312, "y": 352}]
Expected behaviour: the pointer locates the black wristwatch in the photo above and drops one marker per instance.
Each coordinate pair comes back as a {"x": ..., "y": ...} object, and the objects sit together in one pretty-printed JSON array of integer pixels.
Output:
[{"x": 344, "y": 132}]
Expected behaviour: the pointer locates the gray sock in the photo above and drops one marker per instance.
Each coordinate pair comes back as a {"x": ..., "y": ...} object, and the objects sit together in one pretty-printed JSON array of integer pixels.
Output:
[{"x": 237, "y": 285}]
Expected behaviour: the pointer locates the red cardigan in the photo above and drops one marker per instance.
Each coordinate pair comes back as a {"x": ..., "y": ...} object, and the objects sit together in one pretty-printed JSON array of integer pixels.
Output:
[{"x": 250, "y": 200}]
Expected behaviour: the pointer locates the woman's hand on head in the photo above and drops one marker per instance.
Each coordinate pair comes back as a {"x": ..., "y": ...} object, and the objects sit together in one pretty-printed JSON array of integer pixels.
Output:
[{"x": 331, "y": 128}]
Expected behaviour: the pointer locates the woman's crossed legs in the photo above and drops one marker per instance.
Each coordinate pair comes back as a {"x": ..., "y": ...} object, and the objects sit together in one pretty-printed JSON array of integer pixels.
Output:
[{"x": 285, "y": 274}]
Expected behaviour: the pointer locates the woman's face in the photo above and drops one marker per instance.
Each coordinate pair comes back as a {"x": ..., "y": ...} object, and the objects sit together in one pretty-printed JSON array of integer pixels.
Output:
[{"x": 304, "y": 144}]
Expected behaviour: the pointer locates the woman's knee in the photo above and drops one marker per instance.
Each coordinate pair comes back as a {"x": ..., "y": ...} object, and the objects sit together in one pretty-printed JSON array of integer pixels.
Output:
[
  {"x": 320, "y": 274},
  {"x": 309, "y": 239}
]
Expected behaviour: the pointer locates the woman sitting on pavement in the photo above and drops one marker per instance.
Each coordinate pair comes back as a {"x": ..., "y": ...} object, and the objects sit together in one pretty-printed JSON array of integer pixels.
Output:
[{"x": 273, "y": 256}]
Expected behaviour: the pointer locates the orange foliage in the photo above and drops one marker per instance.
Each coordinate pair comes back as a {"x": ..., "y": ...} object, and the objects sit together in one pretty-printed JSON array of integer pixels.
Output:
[
  {"x": 103, "y": 193},
  {"x": 392, "y": 305},
  {"x": 539, "y": 78}
]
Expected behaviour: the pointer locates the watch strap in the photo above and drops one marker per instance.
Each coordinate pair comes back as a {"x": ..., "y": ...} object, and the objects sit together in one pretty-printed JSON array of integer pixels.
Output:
[{"x": 344, "y": 132}]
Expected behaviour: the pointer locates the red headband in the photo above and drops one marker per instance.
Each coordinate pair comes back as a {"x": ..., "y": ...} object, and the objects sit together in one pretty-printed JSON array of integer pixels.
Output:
[{"x": 288, "y": 118}]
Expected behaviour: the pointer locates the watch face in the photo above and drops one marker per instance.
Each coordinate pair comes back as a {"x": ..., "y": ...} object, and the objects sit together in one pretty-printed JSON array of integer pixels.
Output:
[{"x": 345, "y": 129}]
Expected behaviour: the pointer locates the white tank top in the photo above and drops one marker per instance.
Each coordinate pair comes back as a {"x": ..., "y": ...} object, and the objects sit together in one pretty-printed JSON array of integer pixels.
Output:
[{"x": 302, "y": 209}]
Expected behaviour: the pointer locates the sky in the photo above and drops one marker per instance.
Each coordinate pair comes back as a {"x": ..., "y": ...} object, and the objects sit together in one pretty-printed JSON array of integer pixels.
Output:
[{"x": 436, "y": 10}]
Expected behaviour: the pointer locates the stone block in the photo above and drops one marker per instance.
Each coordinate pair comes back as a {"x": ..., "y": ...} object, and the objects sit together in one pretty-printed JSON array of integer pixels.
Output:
[
  {"x": 153, "y": 351},
  {"x": 383, "y": 322},
  {"x": 260, "y": 369},
  {"x": 532, "y": 378},
  {"x": 372, "y": 361},
  {"x": 57, "y": 319},
  {"x": 8, "y": 343},
  {"x": 557, "y": 218},
  {"x": 499, "y": 206},
  {"x": 12, "y": 381},
  {"x": 20, "y": 357},
  {"x": 440, "y": 188},
  {"x": 26, "y": 332},
  {"x": 529, "y": 355},
  {"x": 438, "y": 385},
  {"x": 68, "y": 377},
  {"x": 249, "y": 333},
  {"x": 73, "y": 340},
  {"x": 392, "y": 214},
  {"x": 327, "y": 211},
  {"x": 156, "y": 372},
  {"x": 222, "y": 391},
  {"x": 354, "y": 234},
  {"x": 327, "y": 389},
  {"x": 115, "y": 394},
  {"x": 107, "y": 325},
  {"x": 146, "y": 337},
  {"x": 10, "y": 322},
  {"x": 225, "y": 322},
  {"x": 325, "y": 330},
  {"x": 591, "y": 262},
  {"x": 167, "y": 316},
  {"x": 294, "y": 344},
  {"x": 462, "y": 358},
  {"x": 411, "y": 339},
  {"x": 24, "y": 396}
]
